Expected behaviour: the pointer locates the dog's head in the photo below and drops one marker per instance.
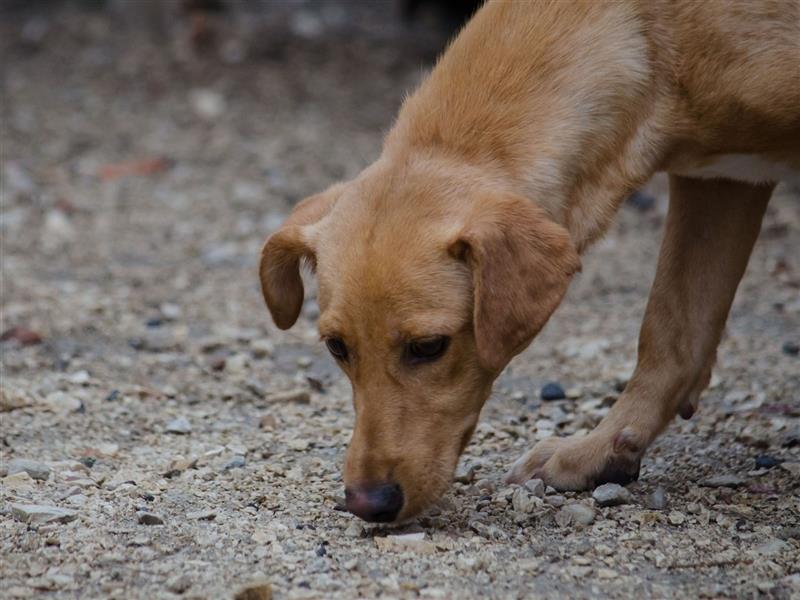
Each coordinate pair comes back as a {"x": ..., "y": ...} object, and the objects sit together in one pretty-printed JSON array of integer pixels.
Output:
[{"x": 428, "y": 286}]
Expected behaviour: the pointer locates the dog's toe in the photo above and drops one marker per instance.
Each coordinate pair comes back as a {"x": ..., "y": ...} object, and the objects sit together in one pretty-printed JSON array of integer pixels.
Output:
[{"x": 529, "y": 465}]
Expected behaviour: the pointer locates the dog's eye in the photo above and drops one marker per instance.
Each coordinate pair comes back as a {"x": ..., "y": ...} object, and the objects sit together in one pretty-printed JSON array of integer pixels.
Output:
[
  {"x": 427, "y": 349},
  {"x": 337, "y": 348}
]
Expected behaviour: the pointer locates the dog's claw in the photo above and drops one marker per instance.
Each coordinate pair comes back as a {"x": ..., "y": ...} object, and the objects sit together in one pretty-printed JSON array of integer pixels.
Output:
[
  {"x": 529, "y": 465},
  {"x": 619, "y": 470}
]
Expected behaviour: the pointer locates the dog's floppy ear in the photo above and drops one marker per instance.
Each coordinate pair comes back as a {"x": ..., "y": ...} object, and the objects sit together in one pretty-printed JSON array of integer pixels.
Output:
[
  {"x": 521, "y": 265},
  {"x": 279, "y": 269}
]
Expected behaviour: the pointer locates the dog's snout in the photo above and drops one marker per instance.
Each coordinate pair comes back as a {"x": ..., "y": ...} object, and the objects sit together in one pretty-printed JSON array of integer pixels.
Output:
[{"x": 376, "y": 504}]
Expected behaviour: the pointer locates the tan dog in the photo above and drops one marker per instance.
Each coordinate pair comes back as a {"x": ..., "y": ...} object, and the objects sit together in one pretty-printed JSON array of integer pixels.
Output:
[{"x": 444, "y": 258}]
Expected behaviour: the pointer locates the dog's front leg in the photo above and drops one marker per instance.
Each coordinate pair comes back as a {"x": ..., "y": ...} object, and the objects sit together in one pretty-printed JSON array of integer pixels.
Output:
[{"x": 710, "y": 232}]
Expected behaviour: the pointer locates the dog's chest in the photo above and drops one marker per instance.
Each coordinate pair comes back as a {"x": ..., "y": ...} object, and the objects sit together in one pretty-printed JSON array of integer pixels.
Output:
[{"x": 750, "y": 168}]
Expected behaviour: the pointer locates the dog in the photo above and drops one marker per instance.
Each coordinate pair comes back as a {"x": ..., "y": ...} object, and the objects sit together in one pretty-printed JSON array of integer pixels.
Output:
[{"x": 445, "y": 257}]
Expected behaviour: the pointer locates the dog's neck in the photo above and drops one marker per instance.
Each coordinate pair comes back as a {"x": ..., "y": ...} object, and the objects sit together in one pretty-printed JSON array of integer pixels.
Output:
[{"x": 569, "y": 120}]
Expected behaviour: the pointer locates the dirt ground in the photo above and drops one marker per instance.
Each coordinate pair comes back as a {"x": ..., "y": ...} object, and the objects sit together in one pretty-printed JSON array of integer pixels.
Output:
[{"x": 139, "y": 180}]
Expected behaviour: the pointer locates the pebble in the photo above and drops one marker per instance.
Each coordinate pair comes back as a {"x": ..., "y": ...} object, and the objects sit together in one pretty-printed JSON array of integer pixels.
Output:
[
  {"x": 206, "y": 103},
  {"x": 262, "y": 348},
  {"x": 258, "y": 589},
  {"x": 160, "y": 339},
  {"x": 552, "y": 391},
  {"x": 267, "y": 422},
  {"x": 39, "y": 514},
  {"x": 16, "y": 175},
  {"x": 773, "y": 546},
  {"x": 254, "y": 387},
  {"x": 791, "y": 348},
  {"x": 146, "y": 518},
  {"x": 237, "y": 462},
  {"x": 578, "y": 513},
  {"x": 35, "y": 469},
  {"x": 12, "y": 399},
  {"x": 536, "y": 487},
  {"x": 298, "y": 396},
  {"x": 485, "y": 485},
  {"x": 611, "y": 494},
  {"x": 57, "y": 231},
  {"x": 677, "y": 518},
  {"x": 80, "y": 377},
  {"x": 792, "y": 437},
  {"x": 408, "y": 542},
  {"x": 77, "y": 499},
  {"x": 465, "y": 474},
  {"x": 765, "y": 461},
  {"x": 216, "y": 362},
  {"x": 22, "y": 335},
  {"x": 791, "y": 467},
  {"x": 607, "y": 574},
  {"x": 522, "y": 500},
  {"x": 556, "y": 500},
  {"x": 18, "y": 482},
  {"x": 103, "y": 450},
  {"x": 238, "y": 364},
  {"x": 656, "y": 500},
  {"x": 180, "y": 426},
  {"x": 354, "y": 530},
  {"x": 728, "y": 481},
  {"x": 789, "y": 533},
  {"x": 202, "y": 515},
  {"x": 178, "y": 584},
  {"x": 59, "y": 401},
  {"x": 298, "y": 444},
  {"x": 170, "y": 311},
  {"x": 486, "y": 531}
]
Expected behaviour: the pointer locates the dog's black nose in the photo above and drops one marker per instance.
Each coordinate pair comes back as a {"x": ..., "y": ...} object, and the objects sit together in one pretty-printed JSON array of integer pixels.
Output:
[{"x": 376, "y": 504}]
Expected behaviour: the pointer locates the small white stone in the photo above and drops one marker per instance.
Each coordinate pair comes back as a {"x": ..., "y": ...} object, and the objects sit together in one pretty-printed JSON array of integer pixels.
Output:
[
  {"x": 536, "y": 487},
  {"x": 35, "y": 469},
  {"x": 39, "y": 514},
  {"x": 611, "y": 494},
  {"x": 207, "y": 103},
  {"x": 62, "y": 402},
  {"x": 677, "y": 518},
  {"x": 18, "y": 482},
  {"x": 791, "y": 467},
  {"x": 298, "y": 444},
  {"x": 354, "y": 530},
  {"x": 79, "y": 377},
  {"x": 578, "y": 513},
  {"x": 773, "y": 546},
  {"x": 262, "y": 348},
  {"x": 410, "y": 542},
  {"x": 181, "y": 426}
]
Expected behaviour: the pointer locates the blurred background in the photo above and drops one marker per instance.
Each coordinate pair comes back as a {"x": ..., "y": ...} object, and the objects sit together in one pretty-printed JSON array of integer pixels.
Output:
[{"x": 149, "y": 146}]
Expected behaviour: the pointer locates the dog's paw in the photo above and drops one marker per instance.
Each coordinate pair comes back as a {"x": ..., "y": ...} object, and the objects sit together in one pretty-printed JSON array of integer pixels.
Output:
[{"x": 580, "y": 463}]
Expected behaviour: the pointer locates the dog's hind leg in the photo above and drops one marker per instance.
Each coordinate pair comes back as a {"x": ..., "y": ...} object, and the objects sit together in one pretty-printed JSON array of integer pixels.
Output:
[{"x": 710, "y": 231}]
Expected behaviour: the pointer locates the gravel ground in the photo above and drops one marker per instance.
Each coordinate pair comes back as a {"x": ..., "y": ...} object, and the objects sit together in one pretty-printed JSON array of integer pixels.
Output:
[{"x": 187, "y": 447}]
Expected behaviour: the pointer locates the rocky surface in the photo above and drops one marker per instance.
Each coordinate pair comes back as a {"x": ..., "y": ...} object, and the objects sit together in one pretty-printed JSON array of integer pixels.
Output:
[{"x": 139, "y": 180}]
